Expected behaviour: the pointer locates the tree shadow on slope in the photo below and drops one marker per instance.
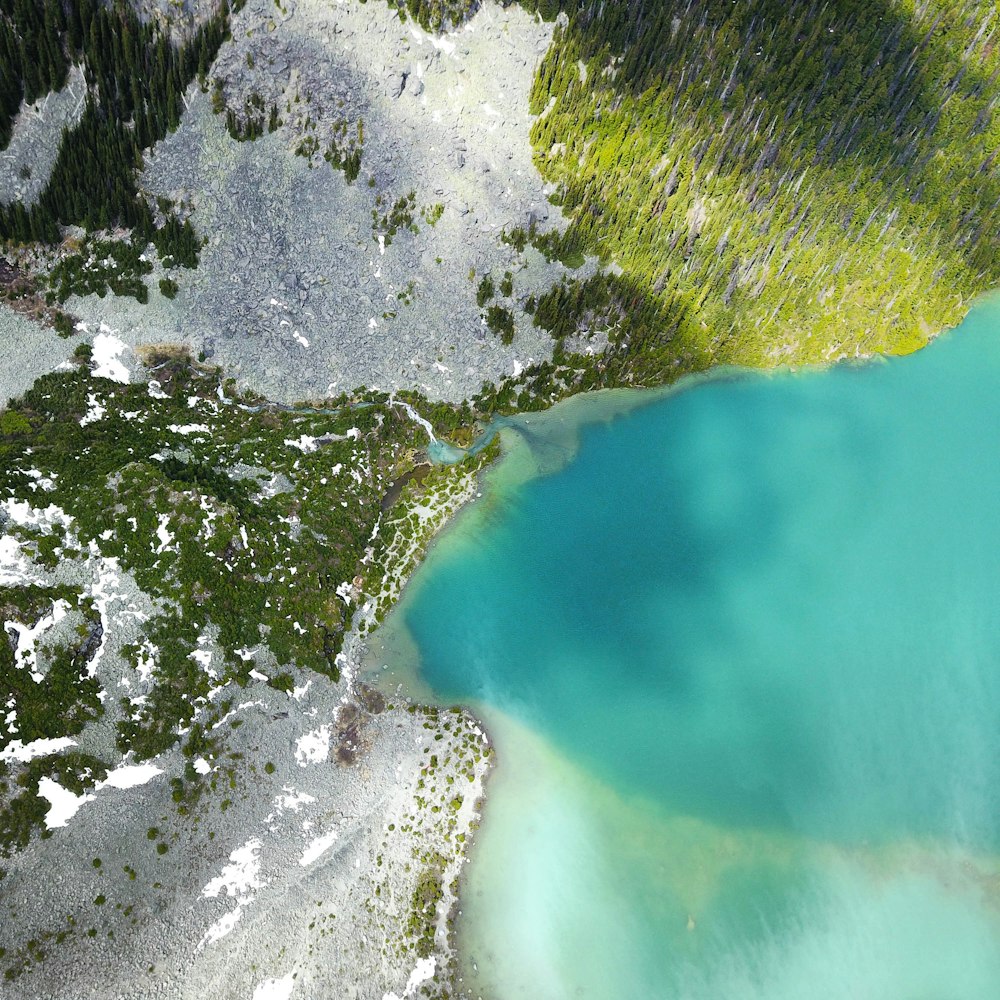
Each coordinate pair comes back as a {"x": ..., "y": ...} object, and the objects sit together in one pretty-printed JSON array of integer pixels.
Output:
[{"x": 766, "y": 89}]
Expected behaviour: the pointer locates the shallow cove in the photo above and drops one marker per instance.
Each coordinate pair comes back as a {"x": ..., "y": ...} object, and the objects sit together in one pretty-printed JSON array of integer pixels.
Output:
[{"x": 739, "y": 648}]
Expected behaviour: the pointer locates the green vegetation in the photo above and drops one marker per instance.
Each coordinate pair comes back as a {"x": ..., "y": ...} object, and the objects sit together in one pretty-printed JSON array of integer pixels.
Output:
[
  {"x": 399, "y": 216},
  {"x": 428, "y": 893},
  {"x": 29, "y": 71},
  {"x": 246, "y": 521},
  {"x": 137, "y": 77},
  {"x": 344, "y": 153},
  {"x": 247, "y": 125},
  {"x": 776, "y": 179},
  {"x": 65, "y": 699},
  {"x": 23, "y": 809},
  {"x": 100, "y": 265},
  {"x": 440, "y": 15},
  {"x": 501, "y": 322},
  {"x": 485, "y": 291},
  {"x": 432, "y": 213}
]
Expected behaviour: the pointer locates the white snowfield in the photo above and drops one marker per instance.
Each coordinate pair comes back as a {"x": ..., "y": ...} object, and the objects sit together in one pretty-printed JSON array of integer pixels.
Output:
[{"x": 107, "y": 350}]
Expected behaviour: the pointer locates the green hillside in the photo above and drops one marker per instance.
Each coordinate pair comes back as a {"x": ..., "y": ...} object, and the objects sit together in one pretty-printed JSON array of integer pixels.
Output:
[{"x": 776, "y": 179}]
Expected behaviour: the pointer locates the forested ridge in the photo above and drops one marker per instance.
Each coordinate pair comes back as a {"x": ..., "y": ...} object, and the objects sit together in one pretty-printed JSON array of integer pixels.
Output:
[
  {"x": 766, "y": 180},
  {"x": 776, "y": 178}
]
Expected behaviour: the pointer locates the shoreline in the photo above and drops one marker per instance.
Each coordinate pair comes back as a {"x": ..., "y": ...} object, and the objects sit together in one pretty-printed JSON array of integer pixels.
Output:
[
  {"x": 427, "y": 509},
  {"x": 639, "y": 397}
]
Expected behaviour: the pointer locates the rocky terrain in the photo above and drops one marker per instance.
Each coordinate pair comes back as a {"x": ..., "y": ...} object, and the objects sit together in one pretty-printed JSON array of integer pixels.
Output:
[
  {"x": 309, "y": 877},
  {"x": 26, "y": 163},
  {"x": 184, "y": 812},
  {"x": 304, "y": 836},
  {"x": 300, "y": 292}
]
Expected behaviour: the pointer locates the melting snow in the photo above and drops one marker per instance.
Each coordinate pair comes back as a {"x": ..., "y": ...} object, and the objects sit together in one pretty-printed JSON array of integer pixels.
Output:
[
  {"x": 241, "y": 875},
  {"x": 292, "y": 799},
  {"x": 163, "y": 533},
  {"x": 106, "y": 350},
  {"x": 145, "y": 660},
  {"x": 313, "y": 747},
  {"x": 189, "y": 428},
  {"x": 221, "y": 927},
  {"x": 14, "y": 568},
  {"x": 317, "y": 847},
  {"x": 27, "y": 637},
  {"x": 47, "y": 483},
  {"x": 422, "y": 972},
  {"x": 95, "y": 411},
  {"x": 238, "y": 880},
  {"x": 275, "y": 989},
  {"x": 22, "y": 513},
  {"x": 305, "y": 444}
]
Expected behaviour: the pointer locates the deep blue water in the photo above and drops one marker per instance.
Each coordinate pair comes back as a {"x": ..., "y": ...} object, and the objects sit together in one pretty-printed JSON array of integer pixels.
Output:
[{"x": 740, "y": 648}]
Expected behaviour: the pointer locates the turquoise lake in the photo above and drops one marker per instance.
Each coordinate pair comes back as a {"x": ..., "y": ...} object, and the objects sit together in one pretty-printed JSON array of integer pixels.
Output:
[{"x": 738, "y": 647}]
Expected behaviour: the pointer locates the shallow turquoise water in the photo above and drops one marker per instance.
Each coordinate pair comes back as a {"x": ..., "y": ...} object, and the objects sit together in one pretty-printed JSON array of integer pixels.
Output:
[{"x": 739, "y": 647}]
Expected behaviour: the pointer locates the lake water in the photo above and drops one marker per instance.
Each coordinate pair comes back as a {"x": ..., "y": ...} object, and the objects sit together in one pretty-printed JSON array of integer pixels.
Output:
[{"x": 738, "y": 646}]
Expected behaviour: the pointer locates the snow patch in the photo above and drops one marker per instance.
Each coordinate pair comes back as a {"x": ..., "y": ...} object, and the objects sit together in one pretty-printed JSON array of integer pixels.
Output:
[
  {"x": 422, "y": 972},
  {"x": 145, "y": 660},
  {"x": 163, "y": 533},
  {"x": 22, "y": 752},
  {"x": 189, "y": 428},
  {"x": 129, "y": 776},
  {"x": 27, "y": 637},
  {"x": 63, "y": 804},
  {"x": 313, "y": 747},
  {"x": 275, "y": 989},
  {"x": 292, "y": 799},
  {"x": 94, "y": 412},
  {"x": 240, "y": 876},
  {"x": 305, "y": 444},
  {"x": 106, "y": 349},
  {"x": 14, "y": 567},
  {"x": 238, "y": 880}
]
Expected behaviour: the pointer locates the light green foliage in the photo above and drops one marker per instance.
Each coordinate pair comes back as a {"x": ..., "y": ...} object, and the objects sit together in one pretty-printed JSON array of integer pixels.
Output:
[
  {"x": 779, "y": 179},
  {"x": 432, "y": 213}
]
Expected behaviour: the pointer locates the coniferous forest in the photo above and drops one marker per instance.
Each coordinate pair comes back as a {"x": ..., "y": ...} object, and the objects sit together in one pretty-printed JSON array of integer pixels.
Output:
[
  {"x": 136, "y": 76},
  {"x": 766, "y": 181},
  {"x": 774, "y": 178}
]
